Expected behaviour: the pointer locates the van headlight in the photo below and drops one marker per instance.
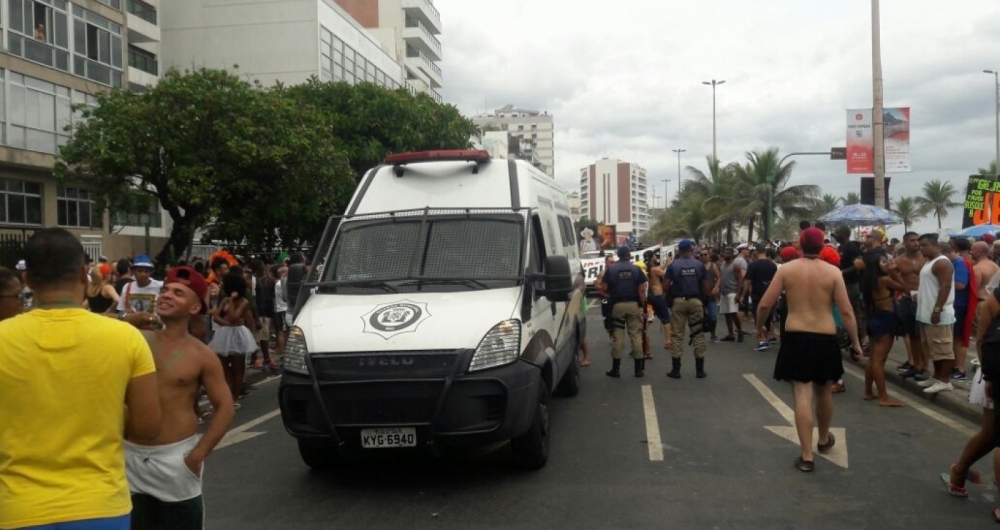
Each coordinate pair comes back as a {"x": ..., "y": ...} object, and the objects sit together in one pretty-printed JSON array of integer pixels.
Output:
[
  {"x": 295, "y": 352},
  {"x": 502, "y": 345}
]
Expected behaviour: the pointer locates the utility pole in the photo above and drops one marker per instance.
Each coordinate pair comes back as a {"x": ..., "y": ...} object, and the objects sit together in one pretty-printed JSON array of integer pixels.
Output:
[
  {"x": 713, "y": 83},
  {"x": 665, "y": 203},
  {"x": 996, "y": 78},
  {"x": 877, "y": 125},
  {"x": 679, "y": 151}
]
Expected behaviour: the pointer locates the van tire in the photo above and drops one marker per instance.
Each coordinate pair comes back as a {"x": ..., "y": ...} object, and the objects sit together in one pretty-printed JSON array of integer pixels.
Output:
[
  {"x": 531, "y": 449},
  {"x": 320, "y": 456},
  {"x": 569, "y": 385}
]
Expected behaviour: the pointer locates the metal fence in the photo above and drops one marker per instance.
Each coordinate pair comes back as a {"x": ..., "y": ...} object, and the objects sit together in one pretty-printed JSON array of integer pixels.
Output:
[{"x": 12, "y": 249}]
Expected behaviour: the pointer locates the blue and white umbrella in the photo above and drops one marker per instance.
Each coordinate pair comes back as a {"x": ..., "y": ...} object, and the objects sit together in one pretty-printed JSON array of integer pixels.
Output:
[
  {"x": 978, "y": 231},
  {"x": 861, "y": 215}
]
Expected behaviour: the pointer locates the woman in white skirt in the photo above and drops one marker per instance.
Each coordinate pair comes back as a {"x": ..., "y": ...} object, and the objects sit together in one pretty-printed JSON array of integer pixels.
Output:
[{"x": 234, "y": 338}]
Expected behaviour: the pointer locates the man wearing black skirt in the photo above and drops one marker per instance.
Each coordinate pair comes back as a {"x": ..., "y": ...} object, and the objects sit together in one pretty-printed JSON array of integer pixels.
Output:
[{"x": 809, "y": 357}]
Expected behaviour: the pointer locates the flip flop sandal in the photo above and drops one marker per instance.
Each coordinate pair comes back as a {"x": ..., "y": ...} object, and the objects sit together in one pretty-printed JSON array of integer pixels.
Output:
[
  {"x": 825, "y": 448},
  {"x": 953, "y": 490},
  {"x": 972, "y": 476},
  {"x": 805, "y": 466}
]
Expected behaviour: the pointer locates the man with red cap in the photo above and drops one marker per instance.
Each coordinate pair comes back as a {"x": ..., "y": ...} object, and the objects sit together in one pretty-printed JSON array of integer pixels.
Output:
[
  {"x": 809, "y": 357},
  {"x": 164, "y": 474}
]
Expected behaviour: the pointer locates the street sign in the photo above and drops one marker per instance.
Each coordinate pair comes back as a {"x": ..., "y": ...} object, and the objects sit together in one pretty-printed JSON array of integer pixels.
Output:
[{"x": 838, "y": 153}]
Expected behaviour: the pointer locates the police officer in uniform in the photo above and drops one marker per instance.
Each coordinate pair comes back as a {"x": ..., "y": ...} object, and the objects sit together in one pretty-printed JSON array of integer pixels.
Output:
[
  {"x": 687, "y": 284},
  {"x": 626, "y": 286}
]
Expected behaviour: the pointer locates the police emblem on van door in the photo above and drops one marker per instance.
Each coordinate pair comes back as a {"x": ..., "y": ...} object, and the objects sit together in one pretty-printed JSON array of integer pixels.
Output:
[{"x": 388, "y": 320}]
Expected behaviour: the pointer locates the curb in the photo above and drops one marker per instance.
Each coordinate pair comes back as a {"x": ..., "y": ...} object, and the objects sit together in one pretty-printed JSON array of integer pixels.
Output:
[{"x": 955, "y": 401}]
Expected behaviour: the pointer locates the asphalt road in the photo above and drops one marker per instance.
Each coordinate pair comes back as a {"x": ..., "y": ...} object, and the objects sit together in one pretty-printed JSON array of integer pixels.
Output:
[{"x": 720, "y": 468}]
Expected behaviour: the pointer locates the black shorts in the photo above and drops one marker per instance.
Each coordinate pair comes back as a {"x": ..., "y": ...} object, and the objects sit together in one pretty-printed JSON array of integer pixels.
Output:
[
  {"x": 906, "y": 312},
  {"x": 660, "y": 308},
  {"x": 150, "y": 512},
  {"x": 808, "y": 358},
  {"x": 280, "y": 324}
]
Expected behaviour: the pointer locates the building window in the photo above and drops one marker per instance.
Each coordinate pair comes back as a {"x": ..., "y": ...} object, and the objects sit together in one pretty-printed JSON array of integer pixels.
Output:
[
  {"x": 76, "y": 208},
  {"x": 340, "y": 62},
  {"x": 142, "y": 60},
  {"x": 97, "y": 48},
  {"x": 142, "y": 10},
  {"x": 152, "y": 215},
  {"x": 113, "y": 4},
  {"x": 39, "y": 114},
  {"x": 39, "y": 32},
  {"x": 20, "y": 202}
]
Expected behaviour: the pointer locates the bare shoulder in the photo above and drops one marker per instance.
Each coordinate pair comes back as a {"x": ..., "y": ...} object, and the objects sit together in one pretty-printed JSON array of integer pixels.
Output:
[{"x": 199, "y": 350}]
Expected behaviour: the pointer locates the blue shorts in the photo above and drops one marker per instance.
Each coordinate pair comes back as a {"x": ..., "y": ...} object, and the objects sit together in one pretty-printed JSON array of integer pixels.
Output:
[{"x": 108, "y": 523}]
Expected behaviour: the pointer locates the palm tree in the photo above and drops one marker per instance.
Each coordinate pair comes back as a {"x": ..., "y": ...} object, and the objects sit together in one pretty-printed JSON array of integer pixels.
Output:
[
  {"x": 715, "y": 191},
  {"x": 851, "y": 198},
  {"x": 938, "y": 198},
  {"x": 762, "y": 176},
  {"x": 910, "y": 209},
  {"x": 989, "y": 171},
  {"x": 827, "y": 203}
]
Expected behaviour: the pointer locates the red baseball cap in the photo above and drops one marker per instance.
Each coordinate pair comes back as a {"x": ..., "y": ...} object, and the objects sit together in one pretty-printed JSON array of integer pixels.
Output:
[
  {"x": 789, "y": 254},
  {"x": 189, "y": 277}
]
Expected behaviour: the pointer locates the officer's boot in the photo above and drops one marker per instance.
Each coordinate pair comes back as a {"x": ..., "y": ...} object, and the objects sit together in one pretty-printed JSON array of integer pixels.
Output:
[
  {"x": 699, "y": 368},
  {"x": 615, "y": 365},
  {"x": 676, "y": 372},
  {"x": 640, "y": 367}
]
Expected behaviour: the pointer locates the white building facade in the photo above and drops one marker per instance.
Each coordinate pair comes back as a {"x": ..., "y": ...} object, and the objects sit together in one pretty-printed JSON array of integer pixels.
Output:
[
  {"x": 57, "y": 53},
  {"x": 534, "y": 130},
  {"x": 615, "y": 192}
]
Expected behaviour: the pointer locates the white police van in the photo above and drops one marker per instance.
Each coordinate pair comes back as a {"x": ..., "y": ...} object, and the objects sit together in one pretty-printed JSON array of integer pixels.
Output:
[{"x": 442, "y": 310}]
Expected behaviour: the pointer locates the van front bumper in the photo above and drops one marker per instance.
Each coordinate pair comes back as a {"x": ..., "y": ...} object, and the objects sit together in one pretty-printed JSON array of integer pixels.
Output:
[{"x": 429, "y": 391}]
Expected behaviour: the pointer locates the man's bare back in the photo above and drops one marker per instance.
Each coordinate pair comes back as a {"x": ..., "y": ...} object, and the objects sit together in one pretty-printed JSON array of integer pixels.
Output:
[
  {"x": 810, "y": 286},
  {"x": 985, "y": 271},
  {"x": 656, "y": 279}
]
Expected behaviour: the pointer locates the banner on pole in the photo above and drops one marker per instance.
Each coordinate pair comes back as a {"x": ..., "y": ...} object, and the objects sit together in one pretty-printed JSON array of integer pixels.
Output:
[
  {"x": 860, "y": 143},
  {"x": 896, "y": 130}
]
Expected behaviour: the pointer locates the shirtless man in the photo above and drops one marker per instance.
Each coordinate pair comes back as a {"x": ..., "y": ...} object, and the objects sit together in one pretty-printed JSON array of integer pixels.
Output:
[
  {"x": 657, "y": 300},
  {"x": 810, "y": 355},
  {"x": 908, "y": 265},
  {"x": 164, "y": 474},
  {"x": 985, "y": 271}
]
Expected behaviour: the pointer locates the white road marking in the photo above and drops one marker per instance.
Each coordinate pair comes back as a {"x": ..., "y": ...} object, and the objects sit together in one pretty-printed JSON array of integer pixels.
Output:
[
  {"x": 240, "y": 434},
  {"x": 919, "y": 407},
  {"x": 652, "y": 425},
  {"x": 837, "y": 455},
  {"x": 270, "y": 379}
]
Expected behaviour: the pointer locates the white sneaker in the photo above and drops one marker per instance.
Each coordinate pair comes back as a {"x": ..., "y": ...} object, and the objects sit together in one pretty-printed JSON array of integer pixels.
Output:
[
  {"x": 927, "y": 382},
  {"x": 938, "y": 386}
]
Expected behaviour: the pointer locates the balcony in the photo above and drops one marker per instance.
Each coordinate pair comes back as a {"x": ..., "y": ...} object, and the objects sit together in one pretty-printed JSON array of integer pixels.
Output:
[
  {"x": 416, "y": 59},
  {"x": 417, "y": 35},
  {"x": 141, "y": 23},
  {"x": 425, "y": 11}
]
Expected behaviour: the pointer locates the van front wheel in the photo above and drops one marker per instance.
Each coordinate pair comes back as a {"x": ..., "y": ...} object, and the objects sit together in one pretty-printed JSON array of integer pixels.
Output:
[{"x": 531, "y": 449}]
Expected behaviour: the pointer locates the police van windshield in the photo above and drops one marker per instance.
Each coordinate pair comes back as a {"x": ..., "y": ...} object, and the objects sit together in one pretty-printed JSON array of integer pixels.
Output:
[{"x": 435, "y": 253}]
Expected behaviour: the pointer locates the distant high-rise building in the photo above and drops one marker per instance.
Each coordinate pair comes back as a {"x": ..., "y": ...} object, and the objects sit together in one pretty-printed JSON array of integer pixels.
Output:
[
  {"x": 532, "y": 129},
  {"x": 408, "y": 28},
  {"x": 614, "y": 191}
]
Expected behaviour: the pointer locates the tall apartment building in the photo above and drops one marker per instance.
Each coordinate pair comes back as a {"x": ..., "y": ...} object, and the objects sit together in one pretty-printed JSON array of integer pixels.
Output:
[
  {"x": 57, "y": 53},
  {"x": 286, "y": 41},
  {"x": 533, "y": 129},
  {"x": 409, "y": 28},
  {"x": 615, "y": 192}
]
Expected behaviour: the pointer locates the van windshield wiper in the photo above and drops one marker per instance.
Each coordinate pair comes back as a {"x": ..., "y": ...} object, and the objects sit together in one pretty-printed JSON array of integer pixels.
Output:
[{"x": 429, "y": 281}]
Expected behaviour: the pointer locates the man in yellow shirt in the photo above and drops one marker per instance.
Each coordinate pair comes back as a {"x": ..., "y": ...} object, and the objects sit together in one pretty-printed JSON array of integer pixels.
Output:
[{"x": 62, "y": 461}]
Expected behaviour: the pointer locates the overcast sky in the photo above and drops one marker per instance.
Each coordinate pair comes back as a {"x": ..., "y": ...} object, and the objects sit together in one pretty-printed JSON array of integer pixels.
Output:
[{"x": 623, "y": 79}]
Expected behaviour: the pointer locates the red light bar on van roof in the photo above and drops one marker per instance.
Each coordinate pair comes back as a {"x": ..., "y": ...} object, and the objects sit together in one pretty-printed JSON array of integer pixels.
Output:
[{"x": 454, "y": 155}]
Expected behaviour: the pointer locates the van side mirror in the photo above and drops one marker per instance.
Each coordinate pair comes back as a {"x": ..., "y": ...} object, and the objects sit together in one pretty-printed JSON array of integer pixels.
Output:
[{"x": 557, "y": 282}]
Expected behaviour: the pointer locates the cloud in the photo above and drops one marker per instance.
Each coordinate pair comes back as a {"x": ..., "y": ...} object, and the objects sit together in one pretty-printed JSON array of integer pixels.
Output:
[{"x": 624, "y": 79}]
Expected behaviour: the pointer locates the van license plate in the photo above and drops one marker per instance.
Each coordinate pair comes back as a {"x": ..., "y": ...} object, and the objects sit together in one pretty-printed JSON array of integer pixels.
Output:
[{"x": 388, "y": 437}]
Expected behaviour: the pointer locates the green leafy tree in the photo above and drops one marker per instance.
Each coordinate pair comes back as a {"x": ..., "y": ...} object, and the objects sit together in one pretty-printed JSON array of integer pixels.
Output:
[
  {"x": 910, "y": 209},
  {"x": 715, "y": 190},
  {"x": 938, "y": 198},
  {"x": 371, "y": 122},
  {"x": 851, "y": 198},
  {"x": 750, "y": 193},
  {"x": 827, "y": 203},
  {"x": 989, "y": 171}
]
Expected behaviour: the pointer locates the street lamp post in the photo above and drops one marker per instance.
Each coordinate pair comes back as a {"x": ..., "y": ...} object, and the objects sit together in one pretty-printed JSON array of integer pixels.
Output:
[
  {"x": 996, "y": 78},
  {"x": 666, "y": 204},
  {"x": 679, "y": 151},
  {"x": 713, "y": 83}
]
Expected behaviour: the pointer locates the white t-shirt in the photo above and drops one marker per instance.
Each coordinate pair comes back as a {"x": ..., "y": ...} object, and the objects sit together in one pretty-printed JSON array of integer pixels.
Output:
[
  {"x": 139, "y": 299},
  {"x": 280, "y": 305}
]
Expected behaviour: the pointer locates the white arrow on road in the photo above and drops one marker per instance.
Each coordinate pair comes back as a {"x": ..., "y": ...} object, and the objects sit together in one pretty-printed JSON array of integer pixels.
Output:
[
  {"x": 242, "y": 433},
  {"x": 837, "y": 455}
]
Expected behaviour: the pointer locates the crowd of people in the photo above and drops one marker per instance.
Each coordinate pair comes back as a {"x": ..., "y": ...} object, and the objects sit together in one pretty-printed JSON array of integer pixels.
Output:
[
  {"x": 88, "y": 347},
  {"x": 824, "y": 298}
]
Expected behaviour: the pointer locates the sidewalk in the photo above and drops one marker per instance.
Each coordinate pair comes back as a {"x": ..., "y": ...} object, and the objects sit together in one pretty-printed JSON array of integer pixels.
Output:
[{"x": 955, "y": 401}]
